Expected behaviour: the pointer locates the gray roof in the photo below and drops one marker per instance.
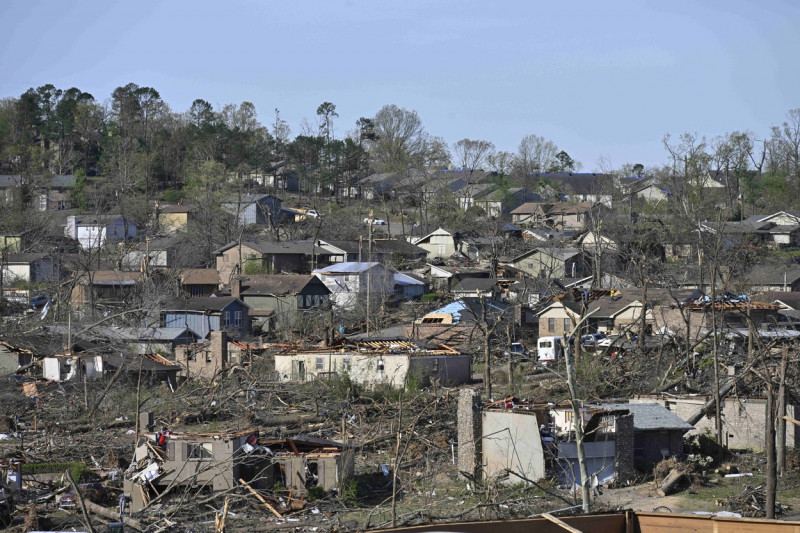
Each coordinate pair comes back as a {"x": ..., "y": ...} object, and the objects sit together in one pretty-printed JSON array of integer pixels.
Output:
[
  {"x": 245, "y": 199},
  {"x": 382, "y": 246},
  {"x": 559, "y": 253},
  {"x": 144, "y": 334},
  {"x": 651, "y": 417},
  {"x": 473, "y": 284},
  {"x": 580, "y": 182},
  {"x": 60, "y": 181},
  {"x": 201, "y": 304},
  {"x": 269, "y": 247},
  {"x": 278, "y": 284},
  {"x": 773, "y": 274}
]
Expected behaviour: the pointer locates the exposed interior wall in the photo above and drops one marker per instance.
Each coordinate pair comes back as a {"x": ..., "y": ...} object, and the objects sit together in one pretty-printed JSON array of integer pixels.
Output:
[{"x": 511, "y": 440}]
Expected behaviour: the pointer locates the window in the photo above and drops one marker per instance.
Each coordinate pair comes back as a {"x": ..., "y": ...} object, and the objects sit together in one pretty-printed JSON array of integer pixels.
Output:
[
  {"x": 196, "y": 291},
  {"x": 208, "y": 356},
  {"x": 380, "y": 365},
  {"x": 435, "y": 366},
  {"x": 440, "y": 249},
  {"x": 227, "y": 319},
  {"x": 320, "y": 363},
  {"x": 224, "y": 258},
  {"x": 346, "y": 364},
  {"x": 199, "y": 452},
  {"x": 567, "y": 324},
  {"x": 551, "y": 325},
  {"x": 237, "y": 318}
]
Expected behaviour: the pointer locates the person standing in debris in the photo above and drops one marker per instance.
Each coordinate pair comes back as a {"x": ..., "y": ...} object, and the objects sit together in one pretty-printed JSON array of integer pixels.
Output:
[
  {"x": 596, "y": 486},
  {"x": 162, "y": 436}
]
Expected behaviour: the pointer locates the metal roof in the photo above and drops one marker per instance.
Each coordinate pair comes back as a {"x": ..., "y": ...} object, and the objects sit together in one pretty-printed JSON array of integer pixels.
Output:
[{"x": 346, "y": 268}]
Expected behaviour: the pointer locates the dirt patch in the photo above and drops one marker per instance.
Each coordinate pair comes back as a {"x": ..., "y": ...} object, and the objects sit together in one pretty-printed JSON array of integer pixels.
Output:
[{"x": 641, "y": 497}]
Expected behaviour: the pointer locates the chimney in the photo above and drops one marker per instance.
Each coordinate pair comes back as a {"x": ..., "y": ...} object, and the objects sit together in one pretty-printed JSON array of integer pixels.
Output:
[
  {"x": 219, "y": 347},
  {"x": 236, "y": 288}
]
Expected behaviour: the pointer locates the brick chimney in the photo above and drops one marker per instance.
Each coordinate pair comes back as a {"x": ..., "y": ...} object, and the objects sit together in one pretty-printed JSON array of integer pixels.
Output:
[
  {"x": 219, "y": 348},
  {"x": 236, "y": 288}
]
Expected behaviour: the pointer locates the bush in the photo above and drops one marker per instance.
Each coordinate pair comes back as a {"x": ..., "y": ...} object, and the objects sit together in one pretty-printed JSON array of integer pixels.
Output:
[
  {"x": 350, "y": 493},
  {"x": 343, "y": 387},
  {"x": 315, "y": 493},
  {"x": 171, "y": 195},
  {"x": 76, "y": 469},
  {"x": 430, "y": 297}
]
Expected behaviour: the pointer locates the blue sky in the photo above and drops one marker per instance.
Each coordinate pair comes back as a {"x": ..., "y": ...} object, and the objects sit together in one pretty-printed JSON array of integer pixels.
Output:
[{"x": 600, "y": 79}]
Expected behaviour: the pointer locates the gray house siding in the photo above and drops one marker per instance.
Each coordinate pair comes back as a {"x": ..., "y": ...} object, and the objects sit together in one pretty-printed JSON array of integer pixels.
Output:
[{"x": 198, "y": 322}]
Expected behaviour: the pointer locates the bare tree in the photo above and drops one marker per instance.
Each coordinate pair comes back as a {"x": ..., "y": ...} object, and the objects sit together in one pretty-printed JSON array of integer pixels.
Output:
[{"x": 535, "y": 154}]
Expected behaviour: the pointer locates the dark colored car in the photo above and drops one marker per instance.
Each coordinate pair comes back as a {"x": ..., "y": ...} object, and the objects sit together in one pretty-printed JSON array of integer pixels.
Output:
[
  {"x": 38, "y": 301},
  {"x": 517, "y": 349}
]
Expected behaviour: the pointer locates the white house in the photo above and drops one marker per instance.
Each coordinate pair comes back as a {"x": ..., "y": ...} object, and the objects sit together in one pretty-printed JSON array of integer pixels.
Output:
[
  {"x": 72, "y": 367},
  {"x": 93, "y": 231},
  {"x": 348, "y": 282},
  {"x": 376, "y": 362},
  {"x": 29, "y": 267}
]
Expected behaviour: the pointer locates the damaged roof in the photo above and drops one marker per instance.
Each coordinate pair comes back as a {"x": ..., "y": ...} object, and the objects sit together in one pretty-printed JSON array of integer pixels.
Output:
[
  {"x": 277, "y": 284},
  {"x": 650, "y": 416}
]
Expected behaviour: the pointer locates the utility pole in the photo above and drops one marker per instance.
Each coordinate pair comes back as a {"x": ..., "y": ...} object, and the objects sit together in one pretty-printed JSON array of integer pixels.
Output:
[
  {"x": 577, "y": 420},
  {"x": 772, "y": 474},
  {"x": 781, "y": 422},
  {"x": 369, "y": 270}
]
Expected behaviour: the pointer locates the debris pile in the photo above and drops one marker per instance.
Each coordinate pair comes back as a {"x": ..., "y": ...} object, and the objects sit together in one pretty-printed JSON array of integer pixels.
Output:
[{"x": 751, "y": 502}]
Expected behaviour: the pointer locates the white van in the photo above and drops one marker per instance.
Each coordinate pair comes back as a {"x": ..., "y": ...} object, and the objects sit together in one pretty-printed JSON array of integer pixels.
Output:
[{"x": 549, "y": 349}]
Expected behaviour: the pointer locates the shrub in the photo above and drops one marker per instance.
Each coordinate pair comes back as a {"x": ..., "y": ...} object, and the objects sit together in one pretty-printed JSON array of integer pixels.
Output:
[
  {"x": 78, "y": 470},
  {"x": 350, "y": 493},
  {"x": 315, "y": 493}
]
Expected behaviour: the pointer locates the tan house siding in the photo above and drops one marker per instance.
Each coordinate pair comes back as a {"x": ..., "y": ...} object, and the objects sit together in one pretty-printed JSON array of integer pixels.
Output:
[
  {"x": 557, "y": 320},
  {"x": 228, "y": 261}
]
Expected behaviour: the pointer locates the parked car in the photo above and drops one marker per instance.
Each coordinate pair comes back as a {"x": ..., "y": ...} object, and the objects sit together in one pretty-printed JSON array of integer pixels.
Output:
[
  {"x": 608, "y": 341},
  {"x": 312, "y": 213},
  {"x": 591, "y": 340},
  {"x": 68, "y": 500},
  {"x": 38, "y": 301},
  {"x": 375, "y": 221},
  {"x": 515, "y": 350}
]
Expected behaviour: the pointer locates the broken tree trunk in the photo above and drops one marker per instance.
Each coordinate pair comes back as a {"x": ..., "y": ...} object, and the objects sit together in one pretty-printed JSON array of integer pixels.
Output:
[
  {"x": 669, "y": 483},
  {"x": 113, "y": 515}
]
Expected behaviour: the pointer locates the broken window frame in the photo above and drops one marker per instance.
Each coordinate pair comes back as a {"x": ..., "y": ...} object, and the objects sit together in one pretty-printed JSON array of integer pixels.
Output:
[{"x": 199, "y": 451}]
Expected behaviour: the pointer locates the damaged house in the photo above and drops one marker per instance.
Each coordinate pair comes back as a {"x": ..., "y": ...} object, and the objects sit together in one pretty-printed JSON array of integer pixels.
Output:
[
  {"x": 513, "y": 441},
  {"x": 217, "y": 462},
  {"x": 376, "y": 362}
]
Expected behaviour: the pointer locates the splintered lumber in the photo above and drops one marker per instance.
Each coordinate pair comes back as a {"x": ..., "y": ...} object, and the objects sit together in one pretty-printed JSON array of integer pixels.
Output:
[
  {"x": 219, "y": 519},
  {"x": 260, "y": 498},
  {"x": 792, "y": 420},
  {"x": 561, "y": 523},
  {"x": 669, "y": 483}
]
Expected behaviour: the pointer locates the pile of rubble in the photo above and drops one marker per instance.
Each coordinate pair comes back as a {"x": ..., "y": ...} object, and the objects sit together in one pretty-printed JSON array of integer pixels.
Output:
[{"x": 751, "y": 502}]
